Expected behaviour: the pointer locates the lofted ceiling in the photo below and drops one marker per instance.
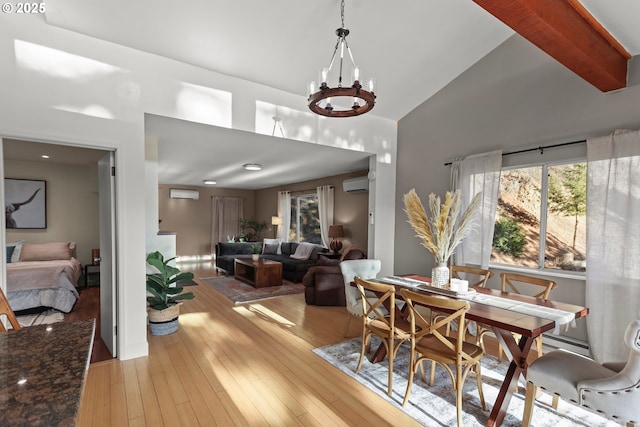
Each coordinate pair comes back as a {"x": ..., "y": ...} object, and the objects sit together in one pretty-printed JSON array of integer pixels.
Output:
[{"x": 412, "y": 47}]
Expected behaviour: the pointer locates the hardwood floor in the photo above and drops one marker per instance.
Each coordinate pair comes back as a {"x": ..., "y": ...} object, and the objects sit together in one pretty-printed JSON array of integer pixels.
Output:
[
  {"x": 88, "y": 307},
  {"x": 236, "y": 365}
]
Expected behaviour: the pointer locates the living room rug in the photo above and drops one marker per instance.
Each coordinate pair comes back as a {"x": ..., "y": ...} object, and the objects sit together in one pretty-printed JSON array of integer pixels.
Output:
[
  {"x": 435, "y": 406},
  {"x": 240, "y": 292}
]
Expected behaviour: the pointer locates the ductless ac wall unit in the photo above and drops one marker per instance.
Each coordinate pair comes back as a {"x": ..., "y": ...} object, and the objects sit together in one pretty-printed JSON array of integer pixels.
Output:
[
  {"x": 178, "y": 193},
  {"x": 356, "y": 185}
]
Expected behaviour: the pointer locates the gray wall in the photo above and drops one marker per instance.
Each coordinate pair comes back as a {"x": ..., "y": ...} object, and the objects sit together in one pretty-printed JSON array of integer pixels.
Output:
[{"x": 514, "y": 98}]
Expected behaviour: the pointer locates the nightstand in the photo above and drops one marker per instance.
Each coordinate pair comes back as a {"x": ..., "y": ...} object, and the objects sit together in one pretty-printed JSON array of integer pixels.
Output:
[{"x": 91, "y": 269}]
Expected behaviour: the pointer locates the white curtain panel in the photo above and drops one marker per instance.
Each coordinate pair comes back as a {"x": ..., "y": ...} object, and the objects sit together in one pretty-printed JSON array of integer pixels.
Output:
[
  {"x": 225, "y": 218},
  {"x": 325, "y": 212},
  {"x": 471, "y": 175},
  {"x": 284, "y": 212},
  {"x": 613, "y": 241}
]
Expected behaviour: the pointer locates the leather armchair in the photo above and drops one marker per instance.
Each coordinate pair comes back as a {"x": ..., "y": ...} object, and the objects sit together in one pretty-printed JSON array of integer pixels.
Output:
[
  {"x": 323, "y": 283},
  {"x": 584, "y": 382}
]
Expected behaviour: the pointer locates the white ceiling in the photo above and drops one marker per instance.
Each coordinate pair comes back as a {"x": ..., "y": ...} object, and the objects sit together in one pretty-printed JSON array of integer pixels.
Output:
[
  {"x": 412, "y": 47},
  {"x": 221, "y": 152}
]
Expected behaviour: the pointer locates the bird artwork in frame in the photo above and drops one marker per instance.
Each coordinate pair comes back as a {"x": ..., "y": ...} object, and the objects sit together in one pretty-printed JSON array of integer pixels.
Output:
[{"x": 25, "y": 203}]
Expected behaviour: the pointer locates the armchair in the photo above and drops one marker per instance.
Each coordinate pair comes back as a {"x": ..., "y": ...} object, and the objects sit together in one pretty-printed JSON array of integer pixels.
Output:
[
  {"x": 323, "y": 283},
  {"x": 615, "y": 395}
]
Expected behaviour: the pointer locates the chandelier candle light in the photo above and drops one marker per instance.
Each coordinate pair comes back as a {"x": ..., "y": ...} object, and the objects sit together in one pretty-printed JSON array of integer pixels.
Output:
[
  {"x": 439, "y": 233},
  {"x": 326, "y": 101}
]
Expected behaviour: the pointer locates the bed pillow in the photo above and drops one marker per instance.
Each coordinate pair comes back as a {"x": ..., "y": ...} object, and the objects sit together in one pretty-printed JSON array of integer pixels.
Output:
[
  {"x": 271, "y": 246},
  {"x": 303, "y": 251},
  {"x": 45, "y": 251},
  {"x": 17, "y": 248}
]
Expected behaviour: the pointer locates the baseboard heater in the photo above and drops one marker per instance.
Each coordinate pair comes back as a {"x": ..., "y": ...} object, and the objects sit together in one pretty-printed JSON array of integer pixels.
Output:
[{"x": 553, "y": 342}]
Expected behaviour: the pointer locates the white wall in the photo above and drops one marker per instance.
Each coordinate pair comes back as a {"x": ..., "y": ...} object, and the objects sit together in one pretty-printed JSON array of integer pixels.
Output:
[
  {"x": 516, "y": 97},
  {"x": 63, "y": 87}
]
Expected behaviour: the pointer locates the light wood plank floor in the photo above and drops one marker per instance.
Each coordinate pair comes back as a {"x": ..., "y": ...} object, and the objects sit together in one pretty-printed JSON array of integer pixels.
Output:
[{"x": 236, "y": 365}]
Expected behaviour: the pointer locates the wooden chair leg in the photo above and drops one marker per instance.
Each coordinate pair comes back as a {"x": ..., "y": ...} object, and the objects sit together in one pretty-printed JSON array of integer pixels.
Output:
[
  {"x": 529, "y": 399},
  {"x": 555, "y": 401}
]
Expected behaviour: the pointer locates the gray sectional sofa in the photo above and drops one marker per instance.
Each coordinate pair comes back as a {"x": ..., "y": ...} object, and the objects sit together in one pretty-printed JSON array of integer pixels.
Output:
[{"x": 292, "y": 269}]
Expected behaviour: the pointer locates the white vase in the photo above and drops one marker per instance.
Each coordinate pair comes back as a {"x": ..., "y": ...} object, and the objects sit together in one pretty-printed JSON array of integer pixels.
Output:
[
  {"x": 255, "y": 257},
  {"x": 440, "y": 275}
]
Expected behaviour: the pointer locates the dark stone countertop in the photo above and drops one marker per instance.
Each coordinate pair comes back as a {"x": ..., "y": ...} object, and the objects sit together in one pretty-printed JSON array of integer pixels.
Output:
[{"x": 42, "y": 373}]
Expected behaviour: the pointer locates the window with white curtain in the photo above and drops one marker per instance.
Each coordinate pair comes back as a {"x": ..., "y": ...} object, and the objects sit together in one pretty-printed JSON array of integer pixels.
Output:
[
  {"x": 541, "y": 217},
  {"x": 305, "y": 219}
]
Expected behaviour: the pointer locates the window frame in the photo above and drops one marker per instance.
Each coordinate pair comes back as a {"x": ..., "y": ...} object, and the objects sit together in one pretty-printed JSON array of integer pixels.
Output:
[{"x": 544, "y": 207}]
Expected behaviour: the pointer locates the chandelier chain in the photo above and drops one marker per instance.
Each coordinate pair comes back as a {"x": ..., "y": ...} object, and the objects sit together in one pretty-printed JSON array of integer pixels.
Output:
[{"x": 342, "y": 12}]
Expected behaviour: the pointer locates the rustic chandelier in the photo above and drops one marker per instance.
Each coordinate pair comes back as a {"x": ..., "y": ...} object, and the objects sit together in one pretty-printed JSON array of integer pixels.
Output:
[{"x": 341, "y": 101}]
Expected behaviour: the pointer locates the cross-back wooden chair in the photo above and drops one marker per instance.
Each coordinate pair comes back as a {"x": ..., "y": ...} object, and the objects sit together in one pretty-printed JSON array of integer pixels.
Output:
[
  {"x": 475, "y": 275},
  {"x": 429, "y": 342},
  {"x": 379, "y": 318},
  {"x": 516, "y": 284},
  {"x": 5, "y": 309}
]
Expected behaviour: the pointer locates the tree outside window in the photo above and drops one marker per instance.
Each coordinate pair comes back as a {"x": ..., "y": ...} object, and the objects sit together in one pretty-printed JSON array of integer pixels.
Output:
[
  {"x": 540, "y": 222},
  {"x": 305, "y": 219}
]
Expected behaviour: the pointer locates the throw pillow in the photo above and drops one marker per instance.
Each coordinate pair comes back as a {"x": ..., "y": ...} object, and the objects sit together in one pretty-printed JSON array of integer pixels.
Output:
[
  {"x": 303, "y": 251},
  {"x": 270, "y": 244},
  {"x": 17, "y": 249},
  {"x": 9, "y": 253},
  {"x": 268, "y": 249},
  {"x": 45, "y": 251}
]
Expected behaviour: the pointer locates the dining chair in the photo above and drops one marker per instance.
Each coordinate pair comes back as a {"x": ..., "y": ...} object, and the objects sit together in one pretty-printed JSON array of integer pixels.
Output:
[
  {"x": 521, "y": 284},
  {"x": 380, "y": 321},
  {"x": 428, "y": 342},
  {"x": 5, "y": 309},
  {"x": 476, "y": 277},
  {"x": 365, "y": 269},
  {"x": 610, "y": 392}
]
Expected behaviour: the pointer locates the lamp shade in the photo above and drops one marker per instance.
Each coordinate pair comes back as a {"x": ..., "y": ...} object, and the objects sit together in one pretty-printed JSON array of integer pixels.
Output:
[
  {"x": 276, "y": 220},
  {"x": 336, "y": 231}
]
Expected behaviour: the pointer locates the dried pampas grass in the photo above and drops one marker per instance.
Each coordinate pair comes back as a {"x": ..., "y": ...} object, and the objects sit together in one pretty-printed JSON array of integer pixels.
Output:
[{"x": 438, "y": 232}]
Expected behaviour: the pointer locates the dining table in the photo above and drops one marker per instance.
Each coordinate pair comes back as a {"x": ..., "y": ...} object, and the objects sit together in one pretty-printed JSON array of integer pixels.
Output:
[
  {"x": 515, "y": 319},
  {"x": 42, "y": 373}
]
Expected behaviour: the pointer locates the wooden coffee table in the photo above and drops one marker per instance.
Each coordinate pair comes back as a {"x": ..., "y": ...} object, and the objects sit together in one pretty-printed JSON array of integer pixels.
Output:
[{"x": 259, "y": 274}]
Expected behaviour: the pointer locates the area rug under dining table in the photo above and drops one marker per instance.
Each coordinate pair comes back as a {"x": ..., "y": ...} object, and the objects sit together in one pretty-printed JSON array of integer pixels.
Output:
[
  {"x": 240, "y": 292},
  {"x": 435, "y": 406}
]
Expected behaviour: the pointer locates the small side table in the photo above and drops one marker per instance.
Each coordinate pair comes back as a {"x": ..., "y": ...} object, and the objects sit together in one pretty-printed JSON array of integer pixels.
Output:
[{"x": 90, "y": 269}]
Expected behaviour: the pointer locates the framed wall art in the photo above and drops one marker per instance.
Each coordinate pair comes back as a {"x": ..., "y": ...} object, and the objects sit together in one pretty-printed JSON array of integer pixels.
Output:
[{"x": 25, "y": 202}]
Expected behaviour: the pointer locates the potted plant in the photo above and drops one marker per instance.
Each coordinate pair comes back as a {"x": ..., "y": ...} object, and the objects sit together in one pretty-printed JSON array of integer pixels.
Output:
[
  {"x": 255, "y": 252},
  {"x": 440, "y": 232},
  {"x": 165, "y": 297}
]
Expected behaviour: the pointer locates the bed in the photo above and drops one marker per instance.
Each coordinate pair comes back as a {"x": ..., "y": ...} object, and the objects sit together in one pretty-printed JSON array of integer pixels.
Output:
[{"x": 42, "y": 275}]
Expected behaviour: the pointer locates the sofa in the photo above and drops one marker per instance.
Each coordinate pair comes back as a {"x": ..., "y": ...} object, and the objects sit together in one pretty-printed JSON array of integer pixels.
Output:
[
  {"x": 292, "y": 269},
  {"x": 323, "y": 283}
]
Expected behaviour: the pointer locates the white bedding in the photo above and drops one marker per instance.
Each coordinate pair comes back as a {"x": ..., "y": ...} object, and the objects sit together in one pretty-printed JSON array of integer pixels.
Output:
[{"x": 32, "y": 284}]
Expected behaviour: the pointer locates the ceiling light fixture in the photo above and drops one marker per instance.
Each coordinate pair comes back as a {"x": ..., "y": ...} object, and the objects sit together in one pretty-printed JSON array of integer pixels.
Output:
[
  {"x": 210, "y": 182},
  {"x": 252, "y": 166},
  {"x": 330, "y": 101}
]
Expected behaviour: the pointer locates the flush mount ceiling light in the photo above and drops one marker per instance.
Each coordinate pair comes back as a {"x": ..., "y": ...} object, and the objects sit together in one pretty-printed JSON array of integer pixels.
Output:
[
  {"x": 252, "y": 166},
  {"x": 341, "y": 101},
  {"x": 210, "y": 182}
]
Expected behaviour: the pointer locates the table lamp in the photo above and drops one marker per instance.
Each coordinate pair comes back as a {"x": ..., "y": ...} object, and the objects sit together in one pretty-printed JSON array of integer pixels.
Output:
[
  {"x": 276, "y": 220},
  {"x": 335, "y": 232}
]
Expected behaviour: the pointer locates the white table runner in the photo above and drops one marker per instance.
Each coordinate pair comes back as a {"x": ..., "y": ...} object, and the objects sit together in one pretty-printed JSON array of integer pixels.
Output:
[{"x": 560, "y": 317}]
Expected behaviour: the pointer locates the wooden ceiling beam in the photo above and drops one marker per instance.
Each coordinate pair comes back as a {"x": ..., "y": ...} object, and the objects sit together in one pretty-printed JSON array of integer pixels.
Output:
[{"x": 565, "y": 30}]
